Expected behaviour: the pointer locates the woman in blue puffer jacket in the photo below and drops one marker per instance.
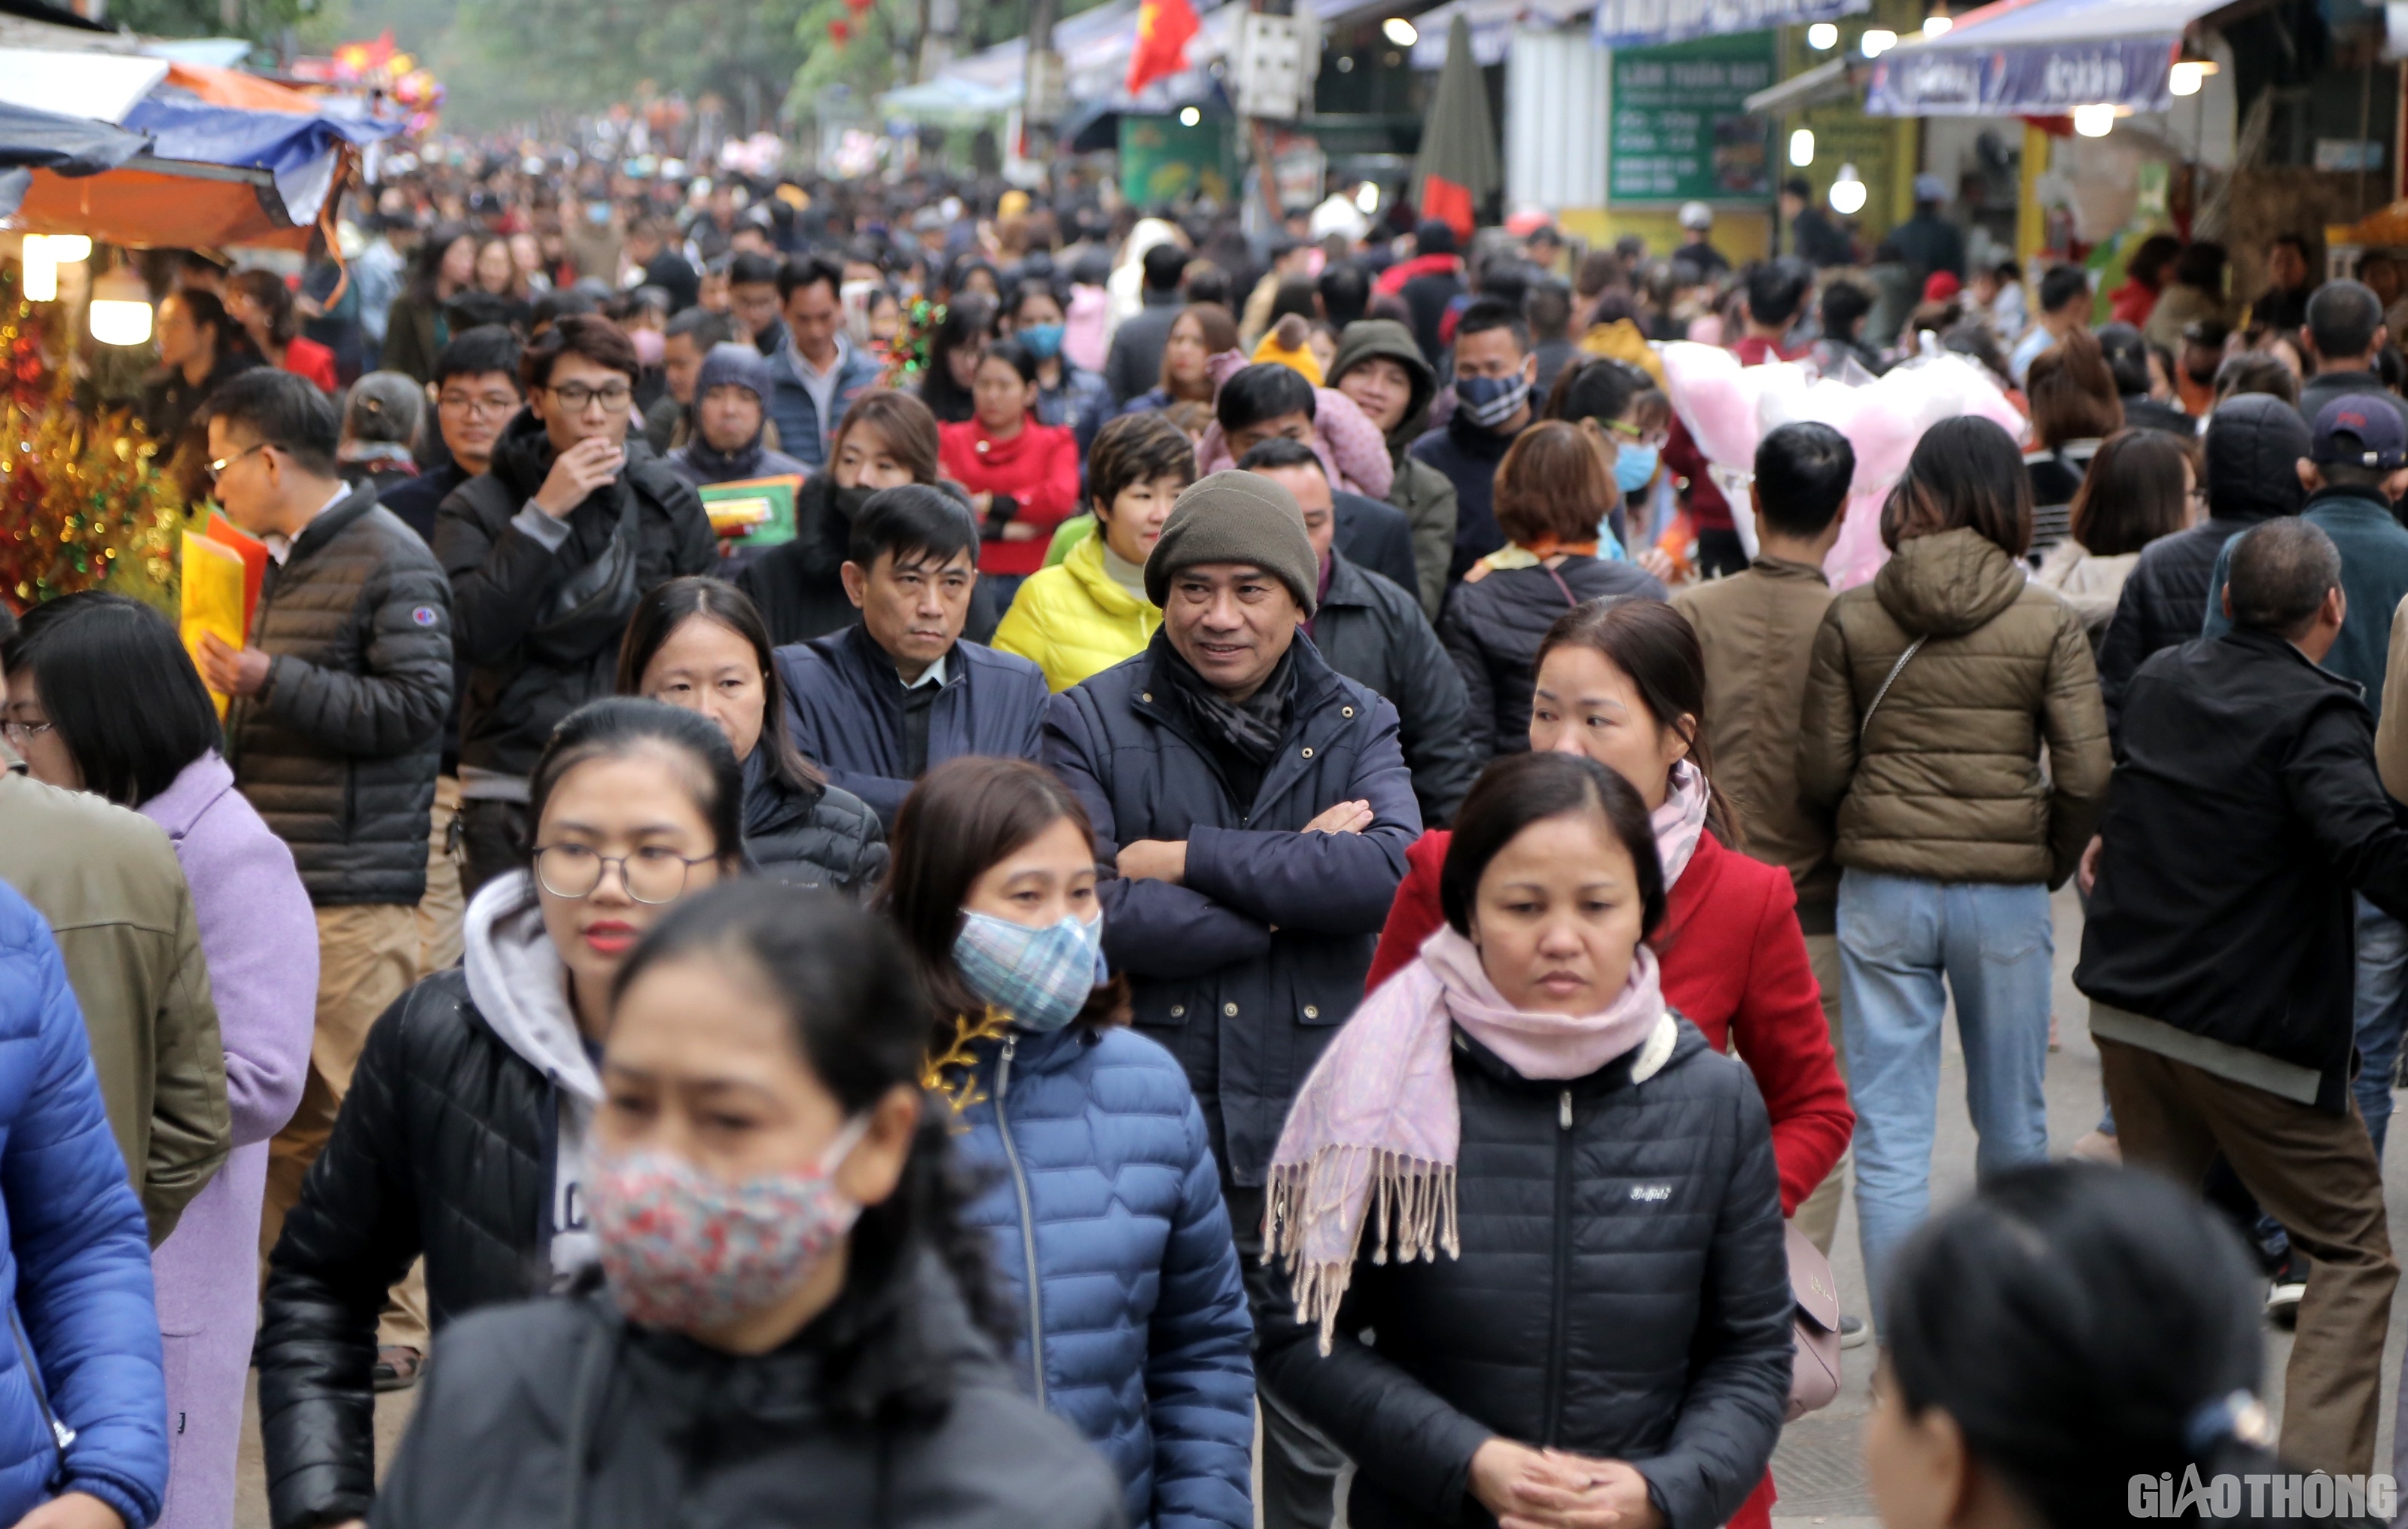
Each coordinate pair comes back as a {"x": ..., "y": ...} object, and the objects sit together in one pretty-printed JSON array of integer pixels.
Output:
[
  {"x": 1102, "y": 1195},
  {"x": 75, "y": 1267}
]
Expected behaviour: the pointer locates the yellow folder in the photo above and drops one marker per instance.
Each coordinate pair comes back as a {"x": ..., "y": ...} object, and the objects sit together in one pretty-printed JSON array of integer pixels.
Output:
[{"x": 212, "y": 598}]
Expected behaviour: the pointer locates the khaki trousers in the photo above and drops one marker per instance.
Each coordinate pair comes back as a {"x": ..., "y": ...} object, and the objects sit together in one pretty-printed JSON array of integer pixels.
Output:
[
  {"x": 441, "y": 909},
  {"x": 2314, "y": 1172},
  {"x": 368, "y": 957},
  {"x": 1818, "y": 1215}
]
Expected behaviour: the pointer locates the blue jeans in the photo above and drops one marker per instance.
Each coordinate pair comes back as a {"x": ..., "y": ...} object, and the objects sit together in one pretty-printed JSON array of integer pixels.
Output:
[
  {"x": 1899, "y": 937},
  {"x": 2380, "y": 1009}
]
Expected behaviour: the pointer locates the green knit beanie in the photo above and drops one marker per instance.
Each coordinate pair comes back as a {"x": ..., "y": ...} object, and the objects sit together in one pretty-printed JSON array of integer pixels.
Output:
[{"x": 1235, "y": 517}]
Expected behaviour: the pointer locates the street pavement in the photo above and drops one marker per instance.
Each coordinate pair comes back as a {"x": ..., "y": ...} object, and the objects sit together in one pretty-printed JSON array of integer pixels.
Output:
[{"x": 1819, "y": 1467}]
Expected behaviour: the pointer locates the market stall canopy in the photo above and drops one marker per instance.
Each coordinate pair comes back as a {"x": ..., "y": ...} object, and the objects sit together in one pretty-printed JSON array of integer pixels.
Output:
[
  {"x": 1095, "y": 46},
  {"x": 67, "y": 146},
  {"x": 1645, "y": 23},
  {"x": 2038, "y": 58},
  {"x": 233, "y": 160},
  {"x": 1492, "y": 24}
]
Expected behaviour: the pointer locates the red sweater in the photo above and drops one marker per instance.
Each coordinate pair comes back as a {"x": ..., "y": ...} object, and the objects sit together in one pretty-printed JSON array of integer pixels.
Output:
[
  {"x": 306, "y": 357},
  {"x": 1039, "y": 467},
  {"x": 1735, "y": 966}
]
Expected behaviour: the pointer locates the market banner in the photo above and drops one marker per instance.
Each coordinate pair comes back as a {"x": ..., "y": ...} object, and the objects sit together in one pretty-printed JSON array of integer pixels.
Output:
[
  {"x": 2030, "y": 79},
  {"x": 1642, "y": 23}
]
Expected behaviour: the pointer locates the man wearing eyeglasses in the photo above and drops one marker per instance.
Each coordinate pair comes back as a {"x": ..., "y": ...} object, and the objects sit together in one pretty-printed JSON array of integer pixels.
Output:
[
  {"x": 336, "y": 724},
  {"x": 548, "y": 552},
  {"x": 475, "y": 393}
]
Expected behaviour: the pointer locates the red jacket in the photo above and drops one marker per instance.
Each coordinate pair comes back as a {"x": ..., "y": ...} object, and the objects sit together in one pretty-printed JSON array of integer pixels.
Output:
[
  {"x": 306, "y": 357},
  {"x": 1039, "y": 467},
  {"x": 1735, "y": 965}
]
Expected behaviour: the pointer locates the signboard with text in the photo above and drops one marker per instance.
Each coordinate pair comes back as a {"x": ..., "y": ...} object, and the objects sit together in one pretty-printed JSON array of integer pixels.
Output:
[{"x": 1681, "y": 128}]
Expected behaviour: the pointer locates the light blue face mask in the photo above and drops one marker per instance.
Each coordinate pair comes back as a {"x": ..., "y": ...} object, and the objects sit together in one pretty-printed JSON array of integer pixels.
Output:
[
  {"x": 1633, "y": 465},
  {"x": 1044, "y": 341},
  {"x": 1041, "y": 976}
]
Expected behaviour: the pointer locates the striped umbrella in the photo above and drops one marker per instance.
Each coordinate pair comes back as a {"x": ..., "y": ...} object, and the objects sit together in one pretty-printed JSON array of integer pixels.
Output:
[{"x": 1457, "y": 168}]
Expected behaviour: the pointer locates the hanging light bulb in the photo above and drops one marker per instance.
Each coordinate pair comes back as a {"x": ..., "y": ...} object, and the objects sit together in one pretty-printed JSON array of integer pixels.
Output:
[
  {"x": 1877, "y": 41},
  {"x": 2095, "y": 121},
  {"x": 1366, "y": 198},
  {"x": 1822, "y": 37},
  {"x": 1400, "y": 32},
  {"x": 1189, "y": 116},
  {"x": 120, "y": 309},
  {"x": 2186, "y": 77},
  {"x": 69, "y": 249},
  {"x": 41, "y": 279},
  {"x": 1802, "y": 147},
  {"x": 1937, "y": 24},
  {"x": 1848, "y": 192}
]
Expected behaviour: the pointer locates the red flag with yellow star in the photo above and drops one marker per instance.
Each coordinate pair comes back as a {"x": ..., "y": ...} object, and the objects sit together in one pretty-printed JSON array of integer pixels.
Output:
[{"x": 1163, "y": 28}]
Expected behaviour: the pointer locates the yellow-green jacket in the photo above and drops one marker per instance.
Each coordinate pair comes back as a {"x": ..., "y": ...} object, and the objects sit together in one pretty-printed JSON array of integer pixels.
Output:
[{"x": 1072, "y": 621}]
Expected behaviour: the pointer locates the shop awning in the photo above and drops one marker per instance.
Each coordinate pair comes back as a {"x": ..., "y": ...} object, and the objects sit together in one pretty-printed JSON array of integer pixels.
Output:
[
  {"x": 103, "y": 87},
  {"x": 2038, "y": 58},
  {"x": 1643, "y": 23},
  {"x": 1833, "y": 80},
  {"x": 1095, "y": 46},
  {"x": 1493, "y": 24}
]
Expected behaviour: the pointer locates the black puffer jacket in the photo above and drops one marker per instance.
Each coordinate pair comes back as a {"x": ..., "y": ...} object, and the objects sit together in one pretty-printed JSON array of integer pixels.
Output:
[
  {"x": 1623, "y": 1293},
  {"x": 826, "y": 837},
  {"x": 1374, "y": 634},
  {"x": 663, "y": 1430},
  {"x": 1493, "y": 628},
  {"x": 2254, "y": 446},
  {"x": 443, "y": 1147},
  {"x": 530, "y": 664},
  {"x": 338, "y": 753}
]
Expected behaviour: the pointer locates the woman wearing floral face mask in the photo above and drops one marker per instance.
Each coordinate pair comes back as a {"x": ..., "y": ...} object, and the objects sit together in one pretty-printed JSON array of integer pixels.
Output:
[
  {"x": 466, "y": 1137},
  {"x": 795, "y": 1327},
  {"x": 1134, "y": 1326}
]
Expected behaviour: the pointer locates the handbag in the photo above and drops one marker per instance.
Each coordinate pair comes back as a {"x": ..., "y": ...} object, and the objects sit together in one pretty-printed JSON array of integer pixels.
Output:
[
  {"x": 591, "y": 609},
  {"x": 1815, "y": 1325}
]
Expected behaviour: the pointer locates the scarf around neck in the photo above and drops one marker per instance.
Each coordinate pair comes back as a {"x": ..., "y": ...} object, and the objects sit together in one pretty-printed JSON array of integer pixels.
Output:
[
  {"x": 719, "y": 466},
  {"x": 1251, "y": 728},
  {"x": 1681, "y": 820},
  {"x": 1377, "y": 1124}
]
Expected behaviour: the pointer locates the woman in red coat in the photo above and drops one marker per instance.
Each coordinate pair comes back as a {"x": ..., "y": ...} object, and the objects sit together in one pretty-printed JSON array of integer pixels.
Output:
[
  {"x": 1623, "y": 682},
  {"x": 1023, "y": 476}
]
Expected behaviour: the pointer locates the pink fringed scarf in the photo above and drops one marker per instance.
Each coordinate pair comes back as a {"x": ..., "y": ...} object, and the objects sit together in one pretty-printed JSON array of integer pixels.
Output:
[{"x": 1376, "y": 1127}]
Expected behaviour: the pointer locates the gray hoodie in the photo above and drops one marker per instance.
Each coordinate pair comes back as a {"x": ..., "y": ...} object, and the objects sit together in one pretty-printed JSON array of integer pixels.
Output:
[{"x": 521, "y": 988}]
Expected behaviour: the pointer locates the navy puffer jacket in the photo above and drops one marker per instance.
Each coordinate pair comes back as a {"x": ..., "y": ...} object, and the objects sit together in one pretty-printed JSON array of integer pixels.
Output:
[
  {"x": 1138, "y": 1333},
  {"x": 75, "y": 1258}
]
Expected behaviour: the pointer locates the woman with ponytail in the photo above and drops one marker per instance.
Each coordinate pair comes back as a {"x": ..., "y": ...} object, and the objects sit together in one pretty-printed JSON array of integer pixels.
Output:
[
  {"x": 2075, "y": 1346},
  {"x": 795, "y": 1326}
]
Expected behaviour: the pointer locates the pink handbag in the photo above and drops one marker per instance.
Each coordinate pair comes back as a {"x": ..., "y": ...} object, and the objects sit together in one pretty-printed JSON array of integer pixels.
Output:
[{"x": 1814, "y": 1370}]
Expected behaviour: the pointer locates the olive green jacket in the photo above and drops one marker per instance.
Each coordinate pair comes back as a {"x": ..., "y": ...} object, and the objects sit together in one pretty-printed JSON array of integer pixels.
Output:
[
  {"x": 1943, "y": 780},
  {"x": 107, "y": 881}
]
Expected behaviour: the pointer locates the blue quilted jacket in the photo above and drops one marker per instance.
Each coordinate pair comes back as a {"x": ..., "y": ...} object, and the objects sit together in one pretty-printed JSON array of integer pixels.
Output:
[
  {"x": 75, "y": 1258},
  {"x": 1104, "y": 1192}
]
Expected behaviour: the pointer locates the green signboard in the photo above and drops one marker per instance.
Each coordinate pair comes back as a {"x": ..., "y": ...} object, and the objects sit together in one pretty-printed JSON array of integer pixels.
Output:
[
  {"x": 1163, "y": 159},
  {"x": 1681, "y": 132}
]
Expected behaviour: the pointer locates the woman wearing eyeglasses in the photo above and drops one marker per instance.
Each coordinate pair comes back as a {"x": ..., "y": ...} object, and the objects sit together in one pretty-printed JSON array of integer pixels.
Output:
[
  {"x": 463, "y": 1138},
  {"x": 548, "y": 552}
]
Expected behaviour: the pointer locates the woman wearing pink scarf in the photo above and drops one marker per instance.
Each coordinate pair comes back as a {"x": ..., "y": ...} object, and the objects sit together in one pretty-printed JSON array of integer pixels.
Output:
[{"x": 1527, "y": 1218}]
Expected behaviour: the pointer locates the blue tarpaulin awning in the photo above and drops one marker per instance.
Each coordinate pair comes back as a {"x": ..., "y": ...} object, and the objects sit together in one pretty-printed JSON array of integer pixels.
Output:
[
  {"x": 2038, "y": 58},
  {"x": 68, "y": 146}
]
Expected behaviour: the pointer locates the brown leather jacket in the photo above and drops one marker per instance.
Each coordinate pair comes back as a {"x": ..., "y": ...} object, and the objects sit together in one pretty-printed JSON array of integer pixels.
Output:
[{"x": 1944, "y": 779}]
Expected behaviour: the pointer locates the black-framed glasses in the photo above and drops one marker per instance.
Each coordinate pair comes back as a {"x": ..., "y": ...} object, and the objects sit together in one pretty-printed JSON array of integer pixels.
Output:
[
  {"x": 574, "y": 397},
  {"x": 473, "y": 405},
  {"x": 652, "y": 875},
  {"x": 221, "y": 463}
]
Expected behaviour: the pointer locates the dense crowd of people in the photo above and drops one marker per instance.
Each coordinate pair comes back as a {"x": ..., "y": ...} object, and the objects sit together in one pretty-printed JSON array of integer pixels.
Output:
[{"x": 1275, "y": 909}]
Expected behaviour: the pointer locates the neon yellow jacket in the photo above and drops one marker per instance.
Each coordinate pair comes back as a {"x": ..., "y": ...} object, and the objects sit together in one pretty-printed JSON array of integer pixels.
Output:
[{"x": 1072, "y": 621}]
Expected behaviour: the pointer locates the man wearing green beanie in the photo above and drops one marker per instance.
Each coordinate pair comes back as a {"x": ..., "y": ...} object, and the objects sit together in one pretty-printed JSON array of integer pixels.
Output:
[{"x": 1256, "y": 806}]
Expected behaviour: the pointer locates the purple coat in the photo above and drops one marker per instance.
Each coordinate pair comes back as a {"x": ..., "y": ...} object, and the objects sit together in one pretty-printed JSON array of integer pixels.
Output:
[{"x": 261, "y": 939}]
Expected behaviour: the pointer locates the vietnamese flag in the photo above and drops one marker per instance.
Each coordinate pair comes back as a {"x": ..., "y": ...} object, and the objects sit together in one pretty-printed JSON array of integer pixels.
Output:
[{"x": 1163, "y": 28}]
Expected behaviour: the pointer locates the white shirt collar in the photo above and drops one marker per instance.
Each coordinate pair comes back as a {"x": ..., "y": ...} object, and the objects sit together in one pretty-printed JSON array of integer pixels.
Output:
[
  {"x": 933, "y": 675},
  {"x": 280, "y": 545}
]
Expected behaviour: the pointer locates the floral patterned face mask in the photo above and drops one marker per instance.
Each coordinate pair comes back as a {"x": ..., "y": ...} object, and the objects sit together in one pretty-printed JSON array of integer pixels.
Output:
[{"x": 688, "y": 1251}]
